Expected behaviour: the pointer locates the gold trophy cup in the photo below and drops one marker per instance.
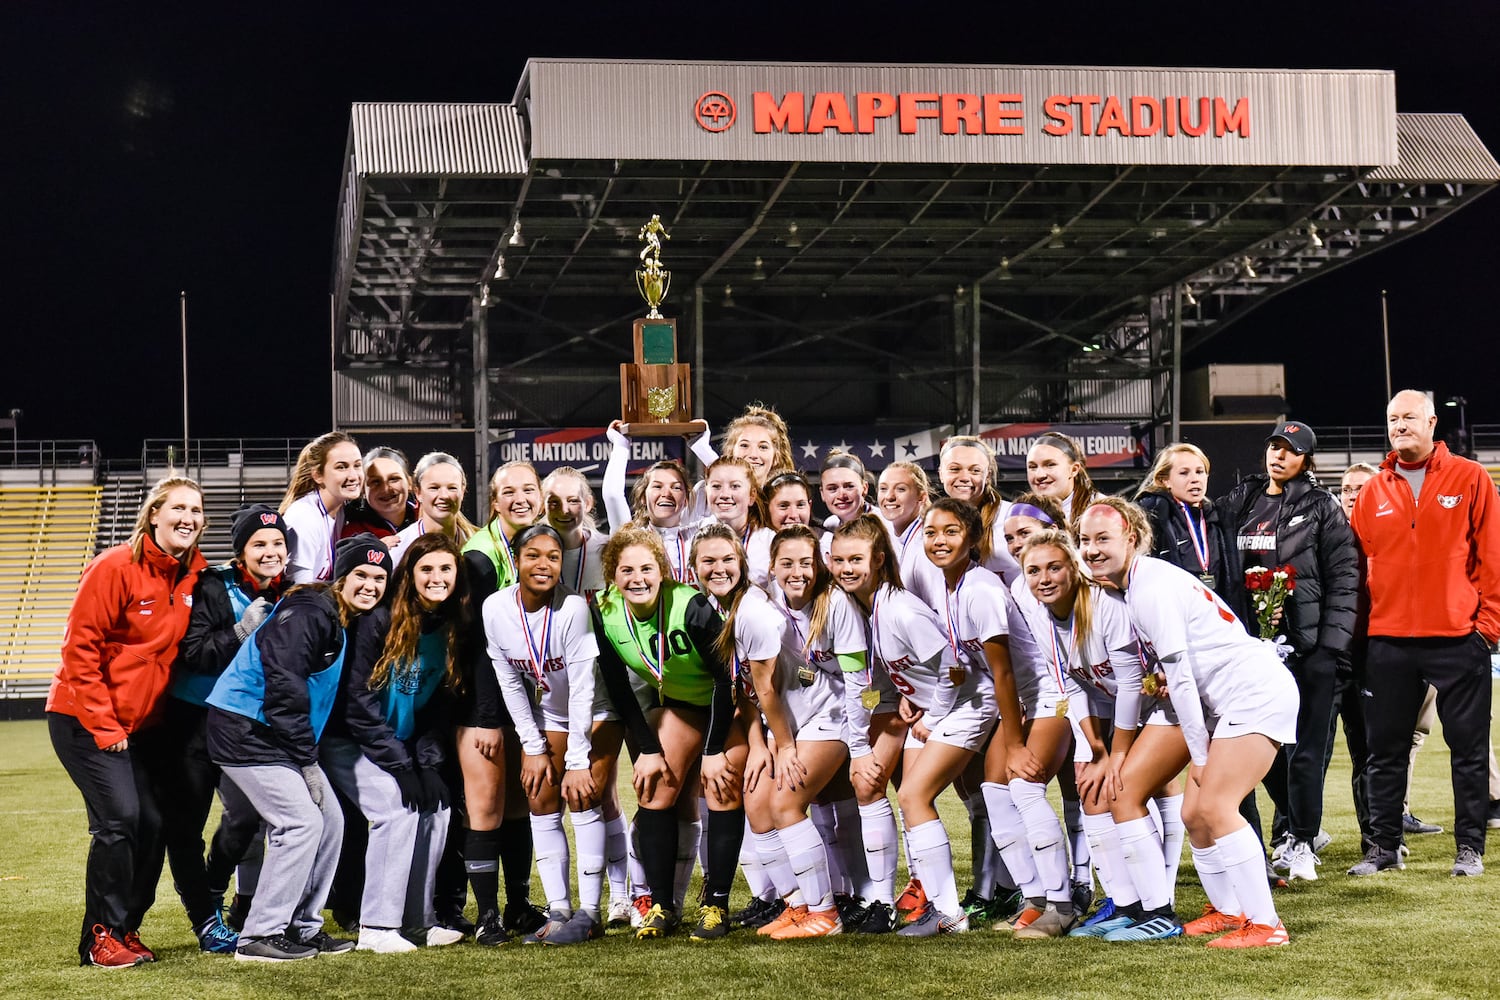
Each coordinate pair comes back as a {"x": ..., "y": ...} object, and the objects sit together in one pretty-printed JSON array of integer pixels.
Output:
[{"x": 655, "y": 386}]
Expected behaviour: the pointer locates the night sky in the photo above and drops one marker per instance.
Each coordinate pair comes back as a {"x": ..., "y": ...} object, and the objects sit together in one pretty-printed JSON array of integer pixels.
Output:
[{"x": 149, "y": 152}]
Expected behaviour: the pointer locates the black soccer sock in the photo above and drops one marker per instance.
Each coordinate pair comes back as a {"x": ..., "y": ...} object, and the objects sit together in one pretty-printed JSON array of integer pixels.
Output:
[
  {"x": 482, "y": 865},
  {"x": 656, "y": 834},
  {"x": 515, "y": 858},
  {"x": 725, "y": 832}
]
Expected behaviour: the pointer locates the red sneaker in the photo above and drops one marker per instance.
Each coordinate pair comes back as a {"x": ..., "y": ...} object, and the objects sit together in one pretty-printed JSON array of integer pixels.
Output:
[
  {"x": 133, "y": 942},
  {"x": 109, "y": 952},
  {"x": 1253, "y": 936},
  {"x": 912, "y": 901}
]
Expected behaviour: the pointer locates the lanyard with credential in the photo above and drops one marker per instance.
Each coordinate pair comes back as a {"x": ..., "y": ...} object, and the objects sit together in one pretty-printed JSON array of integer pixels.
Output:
[
  {"x": 1199, "y": 530},
  {"x": 502, "y": 545},
  {"x": 583, "y": 558},
  {"x": 657, "y": 665},
  {"x": 538, "y": 657},
  {"x": 806, "y": 672}
]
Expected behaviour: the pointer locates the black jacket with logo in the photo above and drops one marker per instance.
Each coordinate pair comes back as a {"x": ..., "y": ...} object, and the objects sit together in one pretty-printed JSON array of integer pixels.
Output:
[
  {"x": 1172, "y": 541},
  {"x": 1314, "y": 538}
]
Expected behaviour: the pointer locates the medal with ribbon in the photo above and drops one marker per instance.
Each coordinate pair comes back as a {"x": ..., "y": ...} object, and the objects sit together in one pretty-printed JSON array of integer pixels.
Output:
[
  {"x": 956, "y": 673},
  {"x": 869, "y": 697},
  {"x": 1062, "y": 656},
  {"x": 655, "y": 665},
  {"x": 537, "y": 656},
  {"x": 806, "y": 672},
  {"x": 1198, "y": 530}
]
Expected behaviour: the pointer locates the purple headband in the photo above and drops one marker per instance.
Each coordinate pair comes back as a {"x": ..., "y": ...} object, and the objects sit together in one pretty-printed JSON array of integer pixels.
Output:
[{"x": 1027, "y": 510}]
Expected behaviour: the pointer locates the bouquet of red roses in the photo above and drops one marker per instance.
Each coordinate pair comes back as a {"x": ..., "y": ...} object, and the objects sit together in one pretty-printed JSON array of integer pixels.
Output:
[{"x": 1269, "y": 589}]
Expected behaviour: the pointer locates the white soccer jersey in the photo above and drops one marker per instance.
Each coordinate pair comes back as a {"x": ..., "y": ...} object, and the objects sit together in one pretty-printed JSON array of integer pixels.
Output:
[
  {"x": 317, "y": 533},
  {"x": 758, "y": 556},
  {"x": 1211, "y": 662},
  {"x": 971, "y": 615},
  {"x": 1001, "y": 562},
  {"x": 398, "y": 542},
  {"x": 1042, "y": 681},
  {"x": 567, "y": 651},
  {"x": 583, "y": 567},
  {"x": 1107, "y": 663},
  {"x": 764, "y": 629},
  {"x": 909, "y": 643}
]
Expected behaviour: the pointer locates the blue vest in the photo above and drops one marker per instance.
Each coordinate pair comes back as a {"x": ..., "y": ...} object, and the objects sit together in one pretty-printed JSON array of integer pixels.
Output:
[
  {"x": 194, "y": 687},
  {"x": 241, "y": 688},
  {"x": 410, "y": 686}
]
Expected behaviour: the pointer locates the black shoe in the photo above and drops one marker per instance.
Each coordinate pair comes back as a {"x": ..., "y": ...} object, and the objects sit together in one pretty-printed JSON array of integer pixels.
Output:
[
  {"x": 713, "y": 923},
  {"x": 239, "y": 909},
  {"x": 880, "y": 918},
  {"x": 657, "y": 923},
  {"x": 1006, "y": 904},
  {"x": 1410, "y": 825},
  {"x": 851, "y": 910},
  {"x": 454, "y": 920},
  {"x": 490, "y": 932},
  {"x": 327, "y": 944},
  {"x": 759, "y": 913},
  {"x": 1083, "y": 897},
  {"x": 348, "y": 920},
  {"x": 1378, "y": 859},
  {"x": 523, "y": 917},
  {"x": 276, "y": 948}
]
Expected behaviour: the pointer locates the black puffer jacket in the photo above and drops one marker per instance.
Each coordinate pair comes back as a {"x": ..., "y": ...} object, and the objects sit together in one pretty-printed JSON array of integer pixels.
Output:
[
  {"x": 1172, "y": 541},
  {"x": 1314, "y": 538}
]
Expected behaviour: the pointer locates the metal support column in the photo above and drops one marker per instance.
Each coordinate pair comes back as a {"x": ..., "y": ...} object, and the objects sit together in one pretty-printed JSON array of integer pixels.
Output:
[
  {"x": 1176, "y": 363},
  {"x": 480, "y": 321},
  {"x": 959, "y": 325},
  {"x": 974, "y": 358},
  {"x": 698, "y": 400}
]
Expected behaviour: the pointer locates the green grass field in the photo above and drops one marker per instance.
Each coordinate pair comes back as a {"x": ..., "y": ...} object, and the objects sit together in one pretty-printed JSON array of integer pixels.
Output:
[{"x": 1411, "y": 934}]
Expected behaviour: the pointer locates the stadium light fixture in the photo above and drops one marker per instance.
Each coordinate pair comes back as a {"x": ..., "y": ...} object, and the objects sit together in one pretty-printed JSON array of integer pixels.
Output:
[
  {"x": 1313, "y": 239},
  {"x": 760, "y": 270},
  {"x": 1005, "y": 269},
  {"x": 728, "y": 297},
  {"x": 501, "y": 274},
  {"x": 1187, "y": 295},
  {"x": 1247, "y": 267},
  {"x": 516, "y": 239},
  {"x": 484, "y": 295},
  {"x": 793, "y": 241},
  {"x": 1056, "y": 241}
]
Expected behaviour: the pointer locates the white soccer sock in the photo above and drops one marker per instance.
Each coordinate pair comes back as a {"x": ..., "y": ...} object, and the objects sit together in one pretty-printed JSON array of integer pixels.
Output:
[
  {"x": 1078, "y": 841},
  {"x": 1142, "y": 852},
  {"x": 755, "y": 872},
  {"x": 851, "y": 845},
  {"x": 773, "y": 859},
  {"x": 551, "y": 846},
  {"x": 1045, "y": 835},
  {"x": 616, "y": 851},
  {"x": 1009, "y": 832},
  {"x": 809, "y": 860},
  {"x": 1245, "y": 867},
  {"x": 1216, "y": 884},
  {"x": 826, "y": 821},
  {"x": 934, "y": 858},
  {"x": 1169, "y": 811},
  {"x": 878, "y": 827},
  {"x": 1096, "y": 828},
  {"x": 689, "y": 832},
  {"x": 589, "y": 836}
]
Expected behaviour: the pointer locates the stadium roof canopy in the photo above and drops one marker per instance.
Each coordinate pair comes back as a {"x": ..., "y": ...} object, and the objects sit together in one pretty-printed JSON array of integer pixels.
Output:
[{"x": 860, "y": 242}]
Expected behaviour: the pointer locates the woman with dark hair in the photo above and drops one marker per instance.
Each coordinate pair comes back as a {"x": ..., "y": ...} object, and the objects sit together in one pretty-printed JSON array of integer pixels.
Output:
[
  {"x": 1285, "y": 518},
  {"x": 387, "y": 505},
  {"x": 387, "y": 740},
  {"x": 130, "y": 613},
  {"x": 267, "y": 714},
  {"x": 1056, "y": 468}
]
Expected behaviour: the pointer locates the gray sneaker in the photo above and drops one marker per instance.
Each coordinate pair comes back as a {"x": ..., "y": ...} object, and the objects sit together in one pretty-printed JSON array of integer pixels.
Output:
[
  {"x": 1410, "y": 825},
  {"x": 556, "y": 920},
  {"x": 1468, "y": 863},
  {"x": 1378, "y": 859},
  {"x": 581, "y": 926},
  {"x": 276, "y": 948}
]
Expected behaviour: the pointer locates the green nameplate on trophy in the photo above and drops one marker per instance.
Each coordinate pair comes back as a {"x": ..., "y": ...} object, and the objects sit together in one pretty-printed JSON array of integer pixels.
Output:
[{"x": 658, "y": 343}]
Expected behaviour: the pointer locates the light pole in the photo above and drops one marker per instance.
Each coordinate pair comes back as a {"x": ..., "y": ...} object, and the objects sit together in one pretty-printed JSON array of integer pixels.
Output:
[
  {"x": 1463, "y": 423},
  {"x": 15, "y": 437}
]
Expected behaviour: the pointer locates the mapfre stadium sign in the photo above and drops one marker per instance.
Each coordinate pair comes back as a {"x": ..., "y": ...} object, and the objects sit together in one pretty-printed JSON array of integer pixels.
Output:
[{"x": 958, "y": 114}]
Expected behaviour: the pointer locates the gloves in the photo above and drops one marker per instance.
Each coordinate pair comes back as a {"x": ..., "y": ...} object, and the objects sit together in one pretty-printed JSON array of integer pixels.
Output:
[
  {"x": 434, "y": 792},
  {"x": 411, "y": 788},
  {"x": 313, "y": 778},
  {"x": 250, "y": 621}
]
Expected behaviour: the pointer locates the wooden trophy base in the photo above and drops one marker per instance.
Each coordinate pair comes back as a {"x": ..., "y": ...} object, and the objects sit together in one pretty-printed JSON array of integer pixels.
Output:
[{"x": 640, "y": 383}]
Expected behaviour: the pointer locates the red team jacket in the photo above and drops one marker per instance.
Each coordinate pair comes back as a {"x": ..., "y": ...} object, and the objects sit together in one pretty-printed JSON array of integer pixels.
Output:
[
  {"x": 1434, "y": 564},
  {"x": 121, "y": 640}
]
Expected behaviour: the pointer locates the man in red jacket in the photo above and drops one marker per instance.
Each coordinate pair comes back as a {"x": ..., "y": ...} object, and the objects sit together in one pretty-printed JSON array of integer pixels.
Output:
[{"x": 1430, "y": 533}]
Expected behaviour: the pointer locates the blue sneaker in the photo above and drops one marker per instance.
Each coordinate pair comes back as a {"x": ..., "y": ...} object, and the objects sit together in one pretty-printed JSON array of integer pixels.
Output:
[
  {"x": 1106, "y": 911},
  {"x": 1150, "y": 929},
  {"x": 216, "y": 937},
  {"x": 1118, "y": 922}
]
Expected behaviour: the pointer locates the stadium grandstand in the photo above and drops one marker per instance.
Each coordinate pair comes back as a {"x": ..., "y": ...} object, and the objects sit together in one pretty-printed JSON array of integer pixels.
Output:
[{"x": 886, "y": 253}]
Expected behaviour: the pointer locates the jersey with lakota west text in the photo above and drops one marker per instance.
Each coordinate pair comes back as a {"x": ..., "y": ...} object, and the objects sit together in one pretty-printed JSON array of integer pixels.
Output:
[
  {"x": 1210, "y": 660},
  {"x": 1040, "y": 677},
  {"x": 1106, "y": 663},
  {"x": 843, "y": 634},
  {"x": 909, "y": 643},
  {"x": 551, "y": 651},
  {"x": 971, "y": 615},
  {"x": 583, "y": 567}
]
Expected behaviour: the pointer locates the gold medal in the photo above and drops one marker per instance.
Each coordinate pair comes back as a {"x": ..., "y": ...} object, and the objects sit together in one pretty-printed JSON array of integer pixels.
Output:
[
  {"x": 1207, "y": 579},
  {"x": 1149, "y": 686},
  {"x": 806, "y": 675},
  {"x": 957, "y": 675},
  {"x": 1062, "y": 709},
  {"x": 536, "y": 695},
  {"x": 870, "y": 699}
]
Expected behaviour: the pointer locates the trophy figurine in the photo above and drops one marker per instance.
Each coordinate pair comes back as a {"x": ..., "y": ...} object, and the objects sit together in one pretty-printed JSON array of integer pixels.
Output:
[{"x": 655, "y": 391}]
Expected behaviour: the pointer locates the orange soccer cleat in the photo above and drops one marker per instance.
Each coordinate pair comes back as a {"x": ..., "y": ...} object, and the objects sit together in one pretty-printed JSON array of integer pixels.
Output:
[
  {"x": 813, "y": 923},
  {"x": 1253, "y": 936},
  {"x": 789, "y": 916},
  {"x": 1212, "y": 922}
]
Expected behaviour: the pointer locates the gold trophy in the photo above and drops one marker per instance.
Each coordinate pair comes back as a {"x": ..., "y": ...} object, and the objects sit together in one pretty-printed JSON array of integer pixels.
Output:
[{"x": 655, "y": 391}]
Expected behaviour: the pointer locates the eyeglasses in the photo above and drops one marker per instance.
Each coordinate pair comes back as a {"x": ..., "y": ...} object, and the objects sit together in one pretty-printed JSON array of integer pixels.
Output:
[{"x": 1350, "y": 491}]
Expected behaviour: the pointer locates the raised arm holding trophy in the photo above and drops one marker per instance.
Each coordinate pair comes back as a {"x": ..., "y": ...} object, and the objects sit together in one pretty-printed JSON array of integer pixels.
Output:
[{"x": 655, "y": 391}]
